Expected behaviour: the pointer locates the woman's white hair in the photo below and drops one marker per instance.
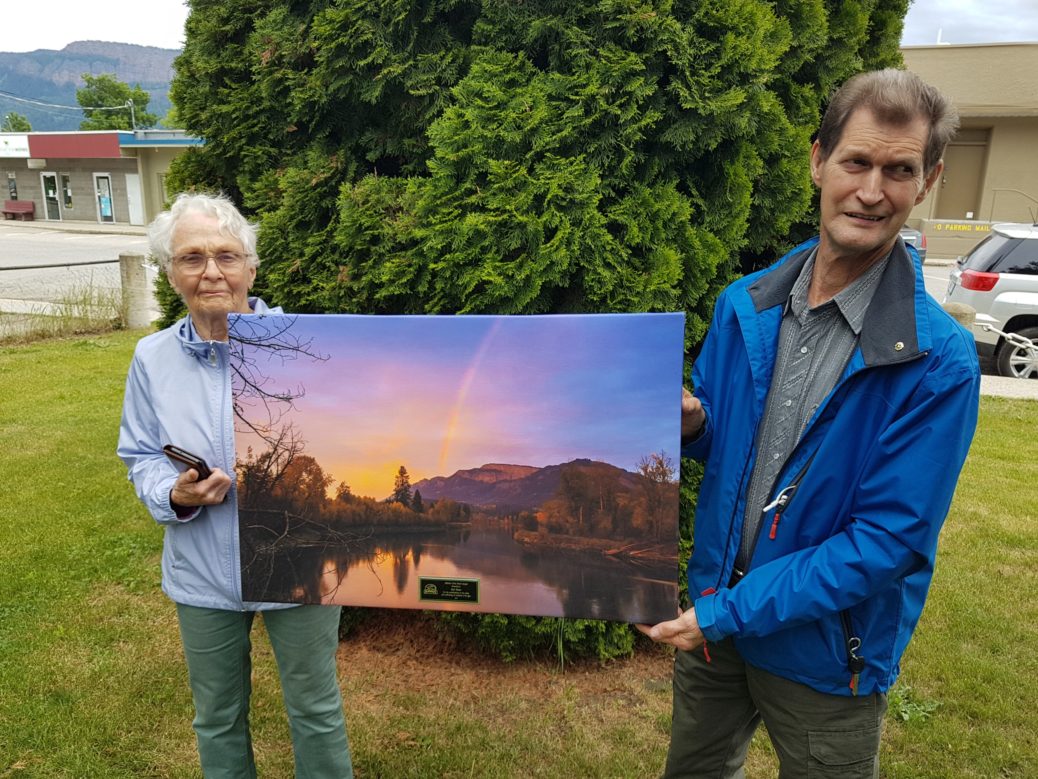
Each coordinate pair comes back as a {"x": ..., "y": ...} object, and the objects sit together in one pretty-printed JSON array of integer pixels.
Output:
[{"x": 232, "y": 223}]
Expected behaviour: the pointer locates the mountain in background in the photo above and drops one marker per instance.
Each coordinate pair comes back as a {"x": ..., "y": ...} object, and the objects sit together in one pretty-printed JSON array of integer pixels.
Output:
[
  {"x": 51, "y": 76},
  {"x": 512, "y": 488}
]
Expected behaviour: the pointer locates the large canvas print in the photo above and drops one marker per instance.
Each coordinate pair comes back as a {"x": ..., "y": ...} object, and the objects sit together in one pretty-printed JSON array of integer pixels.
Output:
[{"x": 511, "y": 464}]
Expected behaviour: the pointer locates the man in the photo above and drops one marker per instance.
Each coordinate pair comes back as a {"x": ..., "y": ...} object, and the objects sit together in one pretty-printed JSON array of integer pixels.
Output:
[{"x": 834, "y": 404}]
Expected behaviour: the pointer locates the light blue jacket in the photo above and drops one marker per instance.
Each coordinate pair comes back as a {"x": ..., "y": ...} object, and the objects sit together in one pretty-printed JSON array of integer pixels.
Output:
[
  {"x": 851, "y": 553},
  {"x": 178, "y": 391}
]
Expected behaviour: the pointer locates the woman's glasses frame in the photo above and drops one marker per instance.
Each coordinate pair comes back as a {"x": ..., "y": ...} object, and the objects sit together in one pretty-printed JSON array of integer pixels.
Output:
[{"x": 196, "y": 262}]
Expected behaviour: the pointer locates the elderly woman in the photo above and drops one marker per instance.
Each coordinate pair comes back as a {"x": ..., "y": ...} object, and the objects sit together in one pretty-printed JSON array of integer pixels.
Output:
[{"x": 179, "y": 392}]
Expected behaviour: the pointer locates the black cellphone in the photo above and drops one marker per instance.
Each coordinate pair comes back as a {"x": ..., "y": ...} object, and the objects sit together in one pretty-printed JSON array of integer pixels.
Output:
[{"x": 185, "y": 457}]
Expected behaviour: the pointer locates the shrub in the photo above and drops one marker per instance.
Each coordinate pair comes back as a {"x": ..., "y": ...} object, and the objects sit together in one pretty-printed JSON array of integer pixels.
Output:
[{"x": 519, "y": 637}]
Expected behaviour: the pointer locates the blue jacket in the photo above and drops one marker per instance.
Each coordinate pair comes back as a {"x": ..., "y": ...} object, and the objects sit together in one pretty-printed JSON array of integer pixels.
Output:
[
  {"x": 178, "y": 391},
  {"x": 852, "y": 553}
]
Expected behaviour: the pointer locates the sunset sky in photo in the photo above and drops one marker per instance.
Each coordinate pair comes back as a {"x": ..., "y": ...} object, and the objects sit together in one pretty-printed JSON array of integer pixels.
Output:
[{"x": 441, "y": 394}]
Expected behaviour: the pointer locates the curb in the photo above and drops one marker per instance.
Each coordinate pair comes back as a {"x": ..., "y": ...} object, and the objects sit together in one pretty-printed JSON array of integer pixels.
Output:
[{"x": 86, "y": 228}]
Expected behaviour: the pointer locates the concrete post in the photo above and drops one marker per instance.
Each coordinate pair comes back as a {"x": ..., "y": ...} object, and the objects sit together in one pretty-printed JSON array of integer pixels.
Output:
[
  {"x": 962, "y": 313},
  {"x": 137, "y": 291}
]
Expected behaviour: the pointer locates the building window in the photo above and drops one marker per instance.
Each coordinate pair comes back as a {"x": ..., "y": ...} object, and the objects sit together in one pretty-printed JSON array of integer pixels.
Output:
[
  {"x": 162, "y": 189},
  {"x": 66, "y": 189},
  {"x": 12, "y": 186}
]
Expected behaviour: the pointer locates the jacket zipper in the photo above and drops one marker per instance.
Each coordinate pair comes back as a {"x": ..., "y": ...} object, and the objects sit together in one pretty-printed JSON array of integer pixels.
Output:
[
  {"x": 782, "y": 500},
  {"x": 781, "y": 503},
  {"x": 224, "y": 369},
  {"x": 852, "y": 643},
  {"x": 731, "y": 523}
]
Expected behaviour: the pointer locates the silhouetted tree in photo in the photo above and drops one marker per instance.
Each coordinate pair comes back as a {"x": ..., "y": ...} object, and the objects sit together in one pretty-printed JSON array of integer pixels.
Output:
[
  {"x": 260, "y": 474},
  {"x": 576, "y": 488},
  {"x": 402, "y": 488},
  {"x": 658, "y": 472},
  {"x": 260, "y": 407},
  {"x": 302, "y": 487},
  {"x": 343, "y": 494},
  {"x": 416, "y": 503}
]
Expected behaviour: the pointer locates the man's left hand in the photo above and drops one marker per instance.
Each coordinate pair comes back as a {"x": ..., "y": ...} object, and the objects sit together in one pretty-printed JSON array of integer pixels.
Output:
[{"x": 683, "y": 632}]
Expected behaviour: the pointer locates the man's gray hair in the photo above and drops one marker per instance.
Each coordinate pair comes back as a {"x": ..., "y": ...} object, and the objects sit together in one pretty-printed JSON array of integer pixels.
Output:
[
  {"x": 232, "y": 223},
  {"x": 897, "y": 97}
]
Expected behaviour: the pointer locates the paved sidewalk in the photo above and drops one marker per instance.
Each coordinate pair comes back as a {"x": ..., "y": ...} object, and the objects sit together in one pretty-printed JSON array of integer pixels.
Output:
[
  {"x": 69, "y": 226},
  {"x": 1005, "y": 387}
]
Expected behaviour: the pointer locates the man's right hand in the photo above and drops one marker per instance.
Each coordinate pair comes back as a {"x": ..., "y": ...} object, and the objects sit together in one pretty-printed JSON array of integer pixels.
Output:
[
  {"x": 693, "y": 417},
  {"x": 682, "y": 633}
]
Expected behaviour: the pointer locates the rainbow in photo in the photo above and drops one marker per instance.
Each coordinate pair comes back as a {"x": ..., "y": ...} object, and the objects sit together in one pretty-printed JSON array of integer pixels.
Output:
[{"x": 512, "y": 464}]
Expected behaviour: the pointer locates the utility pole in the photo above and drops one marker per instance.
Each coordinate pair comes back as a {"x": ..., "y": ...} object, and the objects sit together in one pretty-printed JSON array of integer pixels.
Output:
[{"x": 133, "y": 116}]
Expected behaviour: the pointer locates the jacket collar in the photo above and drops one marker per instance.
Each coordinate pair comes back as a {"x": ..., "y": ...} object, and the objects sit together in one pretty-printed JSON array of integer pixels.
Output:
[
  {"x": 193, "y": 344},
  {"x": 893, "y": 331}
]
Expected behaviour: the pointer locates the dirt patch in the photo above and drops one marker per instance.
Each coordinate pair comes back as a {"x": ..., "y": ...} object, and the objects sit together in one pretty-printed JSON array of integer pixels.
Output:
[{"x": 406, "y": 652}]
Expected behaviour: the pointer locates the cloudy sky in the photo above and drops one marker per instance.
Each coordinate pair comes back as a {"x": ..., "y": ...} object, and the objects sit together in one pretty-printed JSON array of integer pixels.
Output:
[
  {"x": 971, "y": 21},
  {"x": 161, "y": 22},
  {"x": 449, "y": 393}
]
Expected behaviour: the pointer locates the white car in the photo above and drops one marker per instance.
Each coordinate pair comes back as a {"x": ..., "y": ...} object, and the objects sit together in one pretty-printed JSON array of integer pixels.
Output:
[{"x": 999, "y": 278}]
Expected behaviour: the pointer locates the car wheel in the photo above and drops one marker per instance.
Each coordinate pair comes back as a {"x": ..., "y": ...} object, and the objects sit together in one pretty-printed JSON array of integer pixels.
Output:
[{"x": 1019, "y": 362}]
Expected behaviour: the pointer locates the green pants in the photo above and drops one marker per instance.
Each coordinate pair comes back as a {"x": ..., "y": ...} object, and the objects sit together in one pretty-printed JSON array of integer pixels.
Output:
[
  {"x": 718, "y": 705},
  {"x": 305, "y": 638}
]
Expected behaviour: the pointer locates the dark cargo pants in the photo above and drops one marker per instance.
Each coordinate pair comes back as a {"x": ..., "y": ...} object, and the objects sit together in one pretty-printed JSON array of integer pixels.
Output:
[{"x": 718, "y": 705}]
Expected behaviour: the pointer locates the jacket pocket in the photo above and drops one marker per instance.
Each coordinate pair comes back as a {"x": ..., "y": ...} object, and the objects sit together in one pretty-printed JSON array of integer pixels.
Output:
[{"x": 843, "y": 754}]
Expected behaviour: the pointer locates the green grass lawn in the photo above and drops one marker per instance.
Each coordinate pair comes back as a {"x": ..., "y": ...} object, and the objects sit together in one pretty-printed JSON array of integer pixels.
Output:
[{"x": 92, "y": 683}]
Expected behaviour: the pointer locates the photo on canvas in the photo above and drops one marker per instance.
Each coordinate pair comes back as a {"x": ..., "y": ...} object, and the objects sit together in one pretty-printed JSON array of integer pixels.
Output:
[{"x": 509, "y": 464}]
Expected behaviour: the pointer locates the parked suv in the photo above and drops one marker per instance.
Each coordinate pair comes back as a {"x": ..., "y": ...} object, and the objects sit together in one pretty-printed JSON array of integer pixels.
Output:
[{"x": 999, "y": 278}]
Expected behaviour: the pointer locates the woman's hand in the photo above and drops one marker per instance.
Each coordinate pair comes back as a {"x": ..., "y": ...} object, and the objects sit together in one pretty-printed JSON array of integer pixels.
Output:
[{"x": 189, "y": 491}]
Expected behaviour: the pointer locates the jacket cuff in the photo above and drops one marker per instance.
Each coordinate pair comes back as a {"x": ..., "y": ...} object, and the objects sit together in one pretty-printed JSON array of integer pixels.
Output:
[
  {"x": 697, "y": 447},
  {"x": 162, "y": 509},
  {"x": 182, "y": 513},
  {"x": 706, "y": 616}
]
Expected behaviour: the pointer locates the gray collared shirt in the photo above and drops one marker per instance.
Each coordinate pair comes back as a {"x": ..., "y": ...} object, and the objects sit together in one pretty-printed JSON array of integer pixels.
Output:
[{"x": 813, "y": 349}]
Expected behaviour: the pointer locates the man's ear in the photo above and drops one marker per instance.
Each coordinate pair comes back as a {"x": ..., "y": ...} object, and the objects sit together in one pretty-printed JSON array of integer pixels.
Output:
[
  {"x": 816, "y": 163},
  {"x": 930, "y": 181}
]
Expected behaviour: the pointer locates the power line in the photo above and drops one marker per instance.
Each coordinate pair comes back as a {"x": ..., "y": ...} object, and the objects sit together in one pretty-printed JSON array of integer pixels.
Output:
[
  {"x": 40, "y": 109},
  {"x": 33, "y": 101}
]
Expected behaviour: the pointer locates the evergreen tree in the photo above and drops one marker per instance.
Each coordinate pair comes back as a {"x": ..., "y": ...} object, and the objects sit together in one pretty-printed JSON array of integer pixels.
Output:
[
  {"x": 481, "y": 156},
  {"x": 463, "y": 156},
  {"x": 106, "y": 104},
  {"x": 402, "y": 489},
  {"x": 416, "y": 503}
]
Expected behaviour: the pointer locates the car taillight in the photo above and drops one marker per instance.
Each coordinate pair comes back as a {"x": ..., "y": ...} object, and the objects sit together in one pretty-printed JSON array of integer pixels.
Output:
[
  {"x": 922, "y": 240},
  {"x": 978, "y": 281}
]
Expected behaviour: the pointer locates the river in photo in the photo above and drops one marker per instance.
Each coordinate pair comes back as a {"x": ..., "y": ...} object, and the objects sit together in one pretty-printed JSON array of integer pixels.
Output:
[{"x": 387, "y": 569}]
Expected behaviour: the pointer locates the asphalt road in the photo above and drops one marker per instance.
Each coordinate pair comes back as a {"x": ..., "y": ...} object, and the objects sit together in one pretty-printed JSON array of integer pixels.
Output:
[
  {"x": 936, "y": 279},
  {"x": 75, "y": 253}
]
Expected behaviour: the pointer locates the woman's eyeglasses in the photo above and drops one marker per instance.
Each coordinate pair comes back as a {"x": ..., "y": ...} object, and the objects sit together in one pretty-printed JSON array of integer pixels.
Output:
[{"x": 196, "y": 262}]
